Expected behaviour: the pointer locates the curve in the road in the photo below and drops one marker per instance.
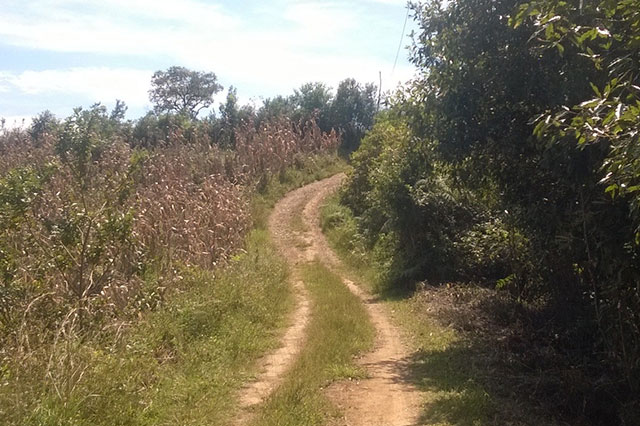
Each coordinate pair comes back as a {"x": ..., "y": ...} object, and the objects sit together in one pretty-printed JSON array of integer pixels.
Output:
[{"x": 385, "y": 398}]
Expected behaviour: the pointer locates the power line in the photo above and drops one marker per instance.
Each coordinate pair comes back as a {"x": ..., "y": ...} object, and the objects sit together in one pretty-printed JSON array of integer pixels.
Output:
[{"x": 404, "y": 27}]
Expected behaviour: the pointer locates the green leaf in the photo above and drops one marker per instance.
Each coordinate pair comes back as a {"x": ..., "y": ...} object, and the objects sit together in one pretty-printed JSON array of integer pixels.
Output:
[
  {"x": 549, "y": 32},
  {"x": 612, "y": 189}
]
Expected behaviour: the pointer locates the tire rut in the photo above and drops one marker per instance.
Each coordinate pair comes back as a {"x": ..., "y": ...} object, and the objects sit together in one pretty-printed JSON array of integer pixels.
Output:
[
  {"x": 297, "y": 247},
  {"x": 386, "y": 397}
]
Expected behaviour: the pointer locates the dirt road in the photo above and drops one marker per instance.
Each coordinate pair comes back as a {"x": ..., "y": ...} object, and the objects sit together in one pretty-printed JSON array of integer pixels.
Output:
[{"x": 384, "y": 399}]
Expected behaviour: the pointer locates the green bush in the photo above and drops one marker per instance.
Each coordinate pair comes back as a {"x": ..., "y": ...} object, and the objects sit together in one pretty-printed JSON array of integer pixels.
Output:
[{"x": 515, "y": 165}]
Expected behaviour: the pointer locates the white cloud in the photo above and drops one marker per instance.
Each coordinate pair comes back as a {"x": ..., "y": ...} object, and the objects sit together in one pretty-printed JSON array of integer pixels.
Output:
[
  {"x": 193, "y": 14},
  {"x": 16, "y": 121},
  {"x": 186, "y": 30},
  {"x": 4, "y": 85},
  {"x": 173, "y": 28},
  {"x": 111, "y": 26},
  {"x": 390, "y": 2},
  {"x": 285, "y": 46},
  {"x": 321, "y": 19},
  {"x": 99, "y": 84}
]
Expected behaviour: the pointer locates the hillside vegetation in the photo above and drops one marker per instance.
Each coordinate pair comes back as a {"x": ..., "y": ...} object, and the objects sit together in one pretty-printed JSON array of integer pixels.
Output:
[{"x": 494, "y": 202}]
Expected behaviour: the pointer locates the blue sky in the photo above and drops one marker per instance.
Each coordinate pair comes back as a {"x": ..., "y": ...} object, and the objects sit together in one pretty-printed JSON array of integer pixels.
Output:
[{"x": 59, "y": 54}]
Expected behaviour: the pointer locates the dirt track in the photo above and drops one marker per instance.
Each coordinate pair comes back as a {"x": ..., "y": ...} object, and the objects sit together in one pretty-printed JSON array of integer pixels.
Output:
[{"x": 385, "y": 398}]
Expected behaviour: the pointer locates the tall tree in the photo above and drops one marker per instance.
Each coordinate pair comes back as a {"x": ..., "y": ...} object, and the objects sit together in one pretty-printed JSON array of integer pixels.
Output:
[
  {"x": 183, "y": 91},
  {"x": 471, "y": 171},
  {"x": 232, "y": 116},
  {"x": 313, "y": 99},
  {"x": 352, "y": 111},
  {"x": 607, "y": 33},
  {"x": 43, "y": 124},
  {"x": 272, "y": 108}
]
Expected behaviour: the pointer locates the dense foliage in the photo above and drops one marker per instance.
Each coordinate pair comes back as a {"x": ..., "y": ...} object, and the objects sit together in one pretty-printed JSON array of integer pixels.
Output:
[
  {"x": 179, "y": 95},
  {"x": 512, "y": 161},
  {"x": 350, "y": 110}
]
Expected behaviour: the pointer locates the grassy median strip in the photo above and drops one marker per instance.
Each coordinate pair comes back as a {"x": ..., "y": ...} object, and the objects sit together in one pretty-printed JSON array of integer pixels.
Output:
[{"x": 339, "y": 330}]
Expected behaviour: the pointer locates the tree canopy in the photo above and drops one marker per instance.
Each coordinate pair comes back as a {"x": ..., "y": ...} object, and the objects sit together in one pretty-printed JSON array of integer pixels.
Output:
[
  {"x": 513, "y": 160},
  {"x": 183, "y": 91}
]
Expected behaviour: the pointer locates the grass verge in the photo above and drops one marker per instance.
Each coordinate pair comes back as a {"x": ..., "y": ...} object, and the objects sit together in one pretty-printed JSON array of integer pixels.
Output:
[
  {"x": 177, "y": 365},
  {"x": 339, "y": 330},
  {"x": 461, "y": 335}
]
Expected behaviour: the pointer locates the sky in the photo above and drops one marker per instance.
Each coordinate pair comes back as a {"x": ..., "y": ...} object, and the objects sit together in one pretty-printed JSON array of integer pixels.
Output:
[{"x": 59, "y": 54}]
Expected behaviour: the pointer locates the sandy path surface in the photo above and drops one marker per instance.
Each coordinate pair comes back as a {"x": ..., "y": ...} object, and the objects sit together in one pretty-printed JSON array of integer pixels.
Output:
[
  {"x": 295, "y": 244},
  {"x": 384, "y": 399}
]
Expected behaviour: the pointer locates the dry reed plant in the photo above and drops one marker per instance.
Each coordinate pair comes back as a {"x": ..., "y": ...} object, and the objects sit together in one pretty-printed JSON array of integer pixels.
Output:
[
  {"x": 187, "y": 211},
  {"x": 274, "y": 145},
  {"x": 83, "y": 215}
]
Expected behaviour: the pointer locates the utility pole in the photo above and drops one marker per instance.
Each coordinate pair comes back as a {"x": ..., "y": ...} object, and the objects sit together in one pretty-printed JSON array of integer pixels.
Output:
[{"x": 379, "y": 91}]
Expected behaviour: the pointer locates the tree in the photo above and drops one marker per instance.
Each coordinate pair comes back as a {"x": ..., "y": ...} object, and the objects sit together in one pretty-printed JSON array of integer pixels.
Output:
[
  {"x": 231, "y": 117},
  {"x": 608, "y": 34},
  {"x": 313, "y": 99},
  {"x": 276, "y": 107},
  {"x": 119, "y": 111},
  {"x": 42, "y": 125},
  {"x": 467, "y": 181},
  {"x": 183, "y": 91},
  {"x": 352, "y": 111}
]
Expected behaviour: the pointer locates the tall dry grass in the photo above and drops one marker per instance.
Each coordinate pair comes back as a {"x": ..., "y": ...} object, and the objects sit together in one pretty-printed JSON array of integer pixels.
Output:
[
  {"x": 187, "y": 210},
  {"x": 86, "y": 220}
]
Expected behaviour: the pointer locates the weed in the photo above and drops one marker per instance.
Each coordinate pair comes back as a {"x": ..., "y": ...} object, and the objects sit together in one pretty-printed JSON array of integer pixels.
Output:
[{"x": 116, "y": 307}]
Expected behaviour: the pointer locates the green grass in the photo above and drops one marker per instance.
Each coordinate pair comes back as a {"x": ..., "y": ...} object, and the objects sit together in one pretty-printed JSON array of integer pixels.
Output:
[
  {"x": 444, "y": 368},
  {"x": 340, "y": 228},
  {"x": 219, "y": 330},
  {"x": 339, "y": 330},
  {"x": 181, "y": 364},
  {"x": 442, "y": 365}
]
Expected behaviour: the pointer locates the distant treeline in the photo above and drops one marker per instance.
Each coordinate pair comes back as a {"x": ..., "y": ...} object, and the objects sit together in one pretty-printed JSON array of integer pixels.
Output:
[{"x": 179, "y": 95}]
